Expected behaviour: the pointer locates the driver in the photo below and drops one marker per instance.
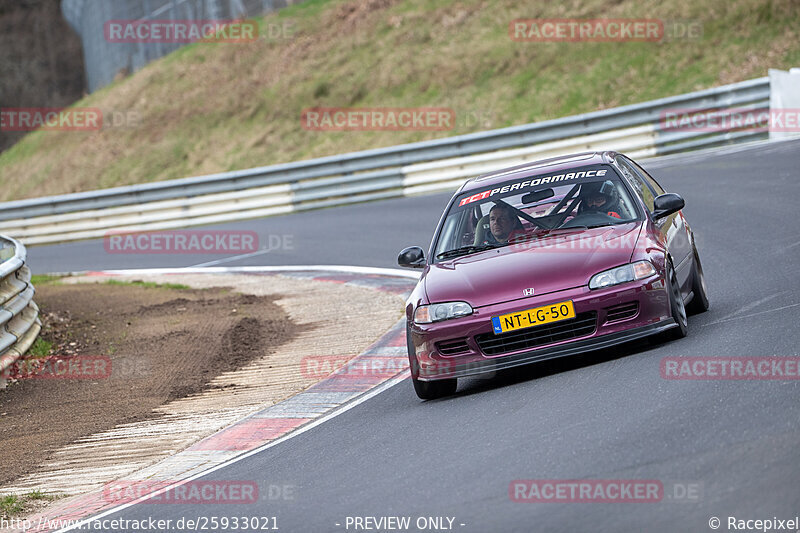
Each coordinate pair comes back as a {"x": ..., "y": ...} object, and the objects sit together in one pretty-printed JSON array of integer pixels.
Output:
[
  {"x": 600, "y": 198},
  {"x": 502, "y": 222}
]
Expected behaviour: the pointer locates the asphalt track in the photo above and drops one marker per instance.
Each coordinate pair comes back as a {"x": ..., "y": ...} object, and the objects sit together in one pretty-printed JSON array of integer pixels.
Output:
[{"x": 602, "y": 415}]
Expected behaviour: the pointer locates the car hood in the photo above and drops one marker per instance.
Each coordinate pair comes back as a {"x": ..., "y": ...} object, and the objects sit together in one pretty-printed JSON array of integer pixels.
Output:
[{"x": 562, "y": 260}]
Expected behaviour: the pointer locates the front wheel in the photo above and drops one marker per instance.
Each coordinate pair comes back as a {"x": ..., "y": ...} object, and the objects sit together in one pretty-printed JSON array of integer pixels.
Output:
[
  {"x": 431, "y": 390},
  {"x": 676, "y": 306},
  {"x": 699, "y": 303},
  {"x": 427, "y": 390}
]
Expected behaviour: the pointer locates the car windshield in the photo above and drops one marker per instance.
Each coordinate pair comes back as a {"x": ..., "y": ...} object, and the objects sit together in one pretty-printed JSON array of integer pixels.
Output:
[{"x": 534, "y": 207}]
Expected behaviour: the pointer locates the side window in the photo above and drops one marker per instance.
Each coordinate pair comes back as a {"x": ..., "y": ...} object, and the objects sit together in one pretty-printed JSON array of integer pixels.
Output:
[
  {"x": 450, "y": 234},
  {"x": 642, "y": 189},
  {"x": 647, "y": 177}
]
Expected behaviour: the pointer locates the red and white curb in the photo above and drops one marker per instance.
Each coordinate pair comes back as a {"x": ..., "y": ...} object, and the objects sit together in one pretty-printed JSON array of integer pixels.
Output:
[{"x": 334, "y": 395}]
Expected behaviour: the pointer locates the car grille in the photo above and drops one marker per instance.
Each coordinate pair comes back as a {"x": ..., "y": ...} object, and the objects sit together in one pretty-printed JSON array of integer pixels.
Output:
[
  {"x": 583, "y": 324},
  {"x": 452, "y": 347},
  {"x": 621, "y": 312}
]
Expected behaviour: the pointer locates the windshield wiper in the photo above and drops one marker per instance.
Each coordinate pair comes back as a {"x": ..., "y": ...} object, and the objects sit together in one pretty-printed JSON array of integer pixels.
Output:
[
  {"x": 566, "y": 228},
  {"x": 609, "y": 224},
  {"x": 464, "y": 250}
]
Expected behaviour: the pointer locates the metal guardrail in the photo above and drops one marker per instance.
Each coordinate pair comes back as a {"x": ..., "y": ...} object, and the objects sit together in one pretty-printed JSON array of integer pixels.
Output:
[
  {"x": 403, "y": 170},
  {"x": 19, "y": 315}
]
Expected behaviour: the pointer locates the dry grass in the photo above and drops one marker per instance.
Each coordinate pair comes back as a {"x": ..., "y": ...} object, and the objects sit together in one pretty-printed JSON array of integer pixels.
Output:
[{"x": 216, "y": 107}]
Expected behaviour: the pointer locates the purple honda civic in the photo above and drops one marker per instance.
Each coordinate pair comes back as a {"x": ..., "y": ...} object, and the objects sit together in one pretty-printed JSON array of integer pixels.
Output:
[{"x": 549, "y": 259}]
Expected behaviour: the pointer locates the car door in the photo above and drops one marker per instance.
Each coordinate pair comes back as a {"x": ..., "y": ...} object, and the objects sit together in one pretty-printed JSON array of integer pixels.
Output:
[{"x": 673, "y": 227}]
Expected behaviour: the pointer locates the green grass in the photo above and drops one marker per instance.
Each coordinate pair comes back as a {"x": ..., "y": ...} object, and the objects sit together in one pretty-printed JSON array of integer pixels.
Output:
[
  {"x": 210, "y": 108},
  {"x": 148, "y": 284},
  {"x": 45, "y": 279},
  {"x": 40, "y": 348},
  {"x": 39, "y": 495},
  {"x": 307, "y": 9},
  {"x": 12, "y": 504}
]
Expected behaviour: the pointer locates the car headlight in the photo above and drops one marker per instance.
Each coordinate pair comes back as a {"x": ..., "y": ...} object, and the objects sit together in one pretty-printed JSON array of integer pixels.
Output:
[
  {"x": 425, "y": 314},
  {"x": 623, "y": 274}
]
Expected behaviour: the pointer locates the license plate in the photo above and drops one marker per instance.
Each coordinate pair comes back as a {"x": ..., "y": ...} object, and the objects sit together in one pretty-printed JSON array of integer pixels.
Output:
[{"x": 533, "y": 317}]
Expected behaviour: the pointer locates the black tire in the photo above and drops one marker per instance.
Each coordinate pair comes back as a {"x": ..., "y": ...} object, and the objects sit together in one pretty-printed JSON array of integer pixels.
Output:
[
  {"x": 427, "y": 390},
  {"x": 676, "y": 306},
  {"x": 699, "y": 303},
  {"x": 431, "y": 390}
]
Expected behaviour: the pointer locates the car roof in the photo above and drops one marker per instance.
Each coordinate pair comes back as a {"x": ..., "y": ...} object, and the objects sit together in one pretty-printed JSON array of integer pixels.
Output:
[{"x": 542, "y": 166}]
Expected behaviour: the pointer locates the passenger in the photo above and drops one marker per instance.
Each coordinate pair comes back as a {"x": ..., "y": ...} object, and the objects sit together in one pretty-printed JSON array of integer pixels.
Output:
[{"x": 600, "y": 198}]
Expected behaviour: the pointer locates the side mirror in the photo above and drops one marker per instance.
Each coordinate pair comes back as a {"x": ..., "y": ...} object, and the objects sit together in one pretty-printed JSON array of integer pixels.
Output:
[
  {"x": 666, "y": 204},
  {"x": 411, "y": 257}
]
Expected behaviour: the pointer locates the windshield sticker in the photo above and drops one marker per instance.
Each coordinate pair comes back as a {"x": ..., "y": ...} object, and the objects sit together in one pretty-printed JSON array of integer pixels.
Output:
[{"x": 532, "y": 183}]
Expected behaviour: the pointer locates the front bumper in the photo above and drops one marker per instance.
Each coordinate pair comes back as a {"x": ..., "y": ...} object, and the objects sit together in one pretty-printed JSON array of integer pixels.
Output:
[
  {"x": 653, "y": 316},
  {"x": 542, "y": 354}
]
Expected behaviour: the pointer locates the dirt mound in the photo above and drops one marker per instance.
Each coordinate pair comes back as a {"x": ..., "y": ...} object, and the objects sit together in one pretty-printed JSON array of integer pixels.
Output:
[{"x": 153, "y": 345}]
